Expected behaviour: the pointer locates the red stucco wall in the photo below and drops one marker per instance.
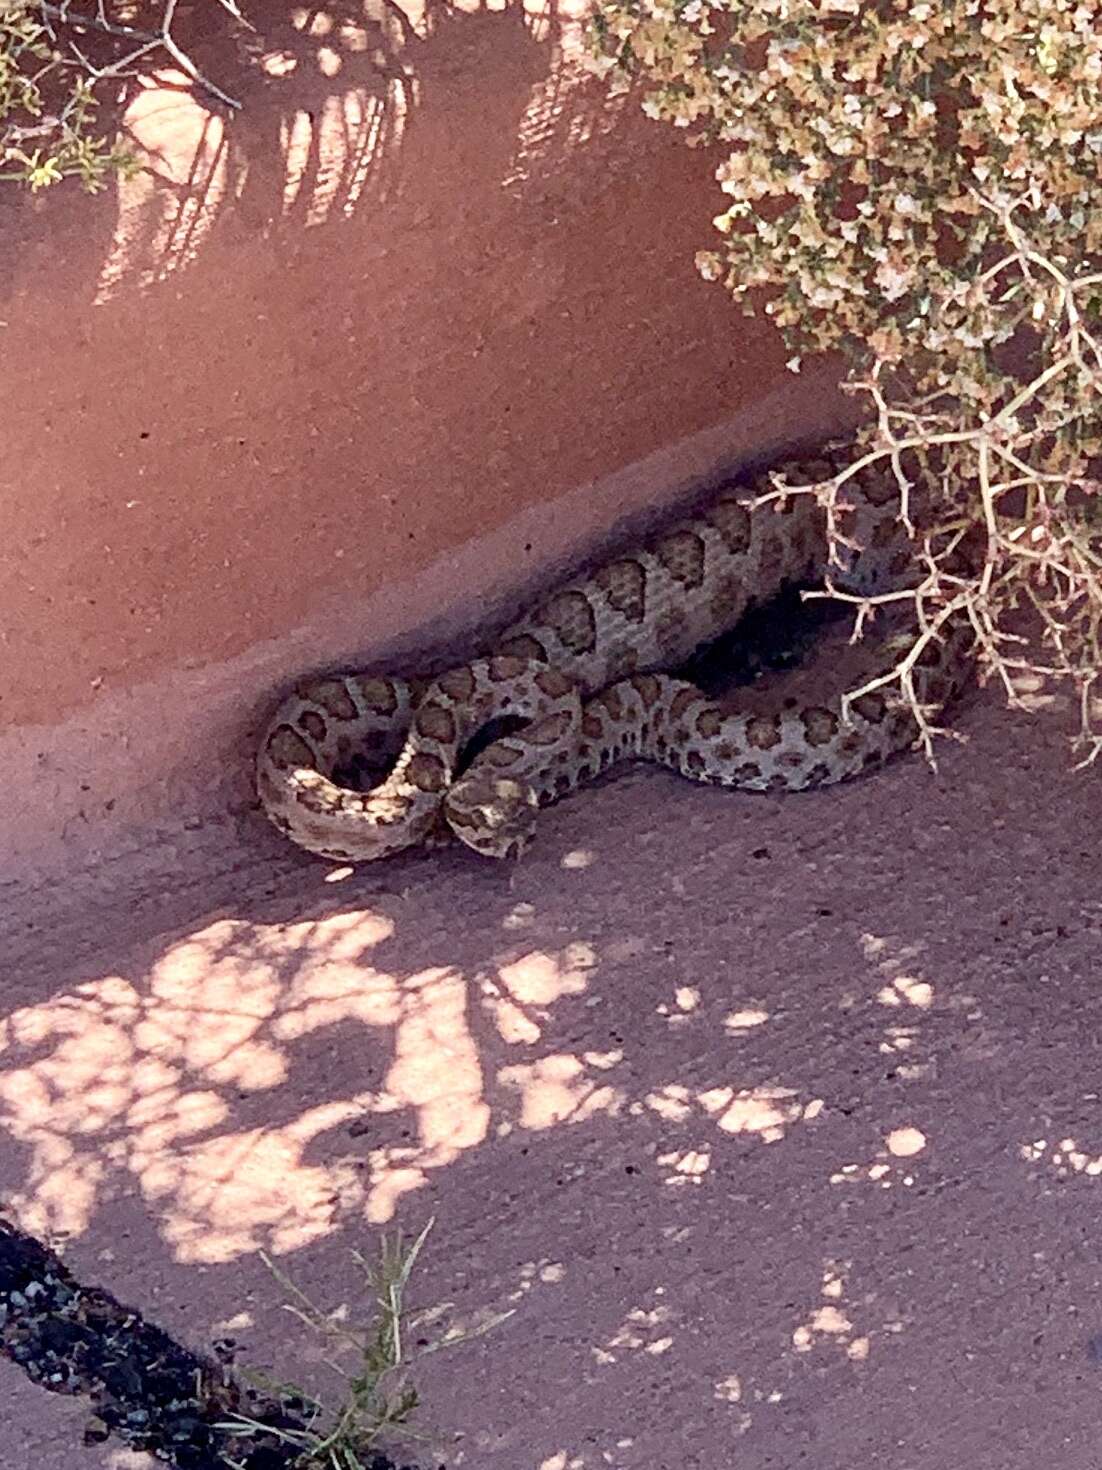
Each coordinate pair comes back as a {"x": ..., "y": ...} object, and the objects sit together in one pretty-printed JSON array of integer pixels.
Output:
[{"x": 318, "y": 384}]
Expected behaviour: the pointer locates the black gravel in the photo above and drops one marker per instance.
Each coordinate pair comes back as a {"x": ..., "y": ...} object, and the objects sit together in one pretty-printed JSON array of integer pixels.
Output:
[{"x": 142, "y": 1386}]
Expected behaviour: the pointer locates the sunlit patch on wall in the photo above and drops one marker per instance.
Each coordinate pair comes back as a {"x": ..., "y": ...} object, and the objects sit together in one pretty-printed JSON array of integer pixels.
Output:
[
  {"x": 565, "y": 112},
  {"x": 196, "y": 165},
  {"x": 166, "y": 212}
]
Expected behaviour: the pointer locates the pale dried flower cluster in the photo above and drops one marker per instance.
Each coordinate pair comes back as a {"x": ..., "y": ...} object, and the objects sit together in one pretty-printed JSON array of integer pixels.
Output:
[{"x": 919, "y": 185}]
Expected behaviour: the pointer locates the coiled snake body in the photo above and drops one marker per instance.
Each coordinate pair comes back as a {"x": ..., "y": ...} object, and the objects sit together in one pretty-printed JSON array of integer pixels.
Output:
[{"x": 584, "y": 669}]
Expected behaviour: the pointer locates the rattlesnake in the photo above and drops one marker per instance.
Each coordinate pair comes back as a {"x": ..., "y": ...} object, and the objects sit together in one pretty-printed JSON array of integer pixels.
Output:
[{"x": 602, "y": 639}]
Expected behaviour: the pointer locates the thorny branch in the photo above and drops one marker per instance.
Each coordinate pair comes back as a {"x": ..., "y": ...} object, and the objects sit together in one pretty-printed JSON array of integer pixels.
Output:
[
  {"x": 1041, "y": 551},
  {"x": 916, "y": 187},
  {"x": 142, "y": 42},
  {"x": 54, "y": 57}
]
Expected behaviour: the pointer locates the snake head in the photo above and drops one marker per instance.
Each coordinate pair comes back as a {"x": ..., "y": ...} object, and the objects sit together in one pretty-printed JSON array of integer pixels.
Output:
[{"x": 494, "y": 815}]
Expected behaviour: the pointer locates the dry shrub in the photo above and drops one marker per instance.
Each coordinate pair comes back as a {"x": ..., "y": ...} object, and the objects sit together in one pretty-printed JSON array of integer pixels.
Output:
[{"x": 917, "y": 186}]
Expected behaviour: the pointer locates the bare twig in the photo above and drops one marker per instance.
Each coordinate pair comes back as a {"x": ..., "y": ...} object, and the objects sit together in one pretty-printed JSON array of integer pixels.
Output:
[
  {"x": 1043, "y": 558},
  {"x": 144, "y": 41}
]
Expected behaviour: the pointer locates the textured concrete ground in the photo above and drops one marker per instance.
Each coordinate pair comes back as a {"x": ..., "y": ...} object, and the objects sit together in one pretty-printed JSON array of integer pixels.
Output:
[{"x": 776, "y": 1121}]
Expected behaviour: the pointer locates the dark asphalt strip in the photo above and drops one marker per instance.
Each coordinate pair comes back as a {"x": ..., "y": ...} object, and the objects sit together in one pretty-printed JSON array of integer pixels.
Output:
[{"x": 142, "y": 1387}]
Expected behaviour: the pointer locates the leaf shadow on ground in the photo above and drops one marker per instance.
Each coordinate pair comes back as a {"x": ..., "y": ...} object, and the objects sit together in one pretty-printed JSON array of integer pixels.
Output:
[{"x": 743, "y": 1104}]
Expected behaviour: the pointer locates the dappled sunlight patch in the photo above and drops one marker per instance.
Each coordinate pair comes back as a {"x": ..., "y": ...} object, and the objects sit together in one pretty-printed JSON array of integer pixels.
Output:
[
  {"x": 329, "y": 151},
  {"x": 768, "y": 1112},
  {"x": 560, "y": 1089},
  {"x": 533, "y": 1274},
  {"x": 901, "y": 1043},
  {"x": 828, "y": 1320},
  {"x": 686, "y": 1166},
  {"x": 906, "y": 994},
  {"x": 898, "y": 1039},
  {"x": 539, "y": 978},
  {"x": 902, "y": 985},
  {"x": 59, "y": 1102},
  {"x": 1065, "y": 1158},
  {"x": 227, "y": 1196},
  {"x": 884, "y": 1175},
  {"x": 829, "y": 1323},
  {"x": 520, "y": 916},
  {"x": 61, "y": 1185},
  {"x": 195, "y": 166},
  {"x": 729, "y": 1389},
  {"x": 166, "y": 1116},
  {"x": 518, "y": 996},
  {"x": 166, "y": 211},
  {"x": 343, "y": 936},
  {"x": 904, "y": 1143},
  {"x": 224, "y": 1195},
  {"x": 674, "y": 1102},
  {"x": 742, "y": 1400},
  {"x": 560, "y": 118},
  {"x": 745, "y": 1020},
  {"x": 349, "y": 88},
  {"x": 223, "y": 1327},
  {"x": 80, "y": 1086},
  {"x": 323, "y": 998},
  {"x": 1035, "y": 691},
  {"x": 332, "y": 981},
  {"x": 562, "y": 1460},
  {"x": 391, "y": 1173},
  {"x": 900, "y": 1143},
  {"x": 146, "y": 1082},
  {"x": 209, "y": 1019},
  {"x": 643, "y": 1330},
  {"x": 686, "y": 1000},
  {"x": 436, "y": 1069},
  {"x": 116, "y": 1080},
  {"x": 513, "y": 1024},
  {"x": 906, "y": 990}
]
